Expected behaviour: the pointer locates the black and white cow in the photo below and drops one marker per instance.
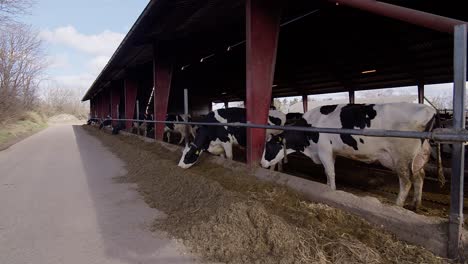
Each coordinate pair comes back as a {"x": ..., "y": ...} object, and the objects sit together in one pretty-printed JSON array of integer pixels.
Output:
[
  {"x": 406, "y": 157},
  {"x": 178, "y": 128},
  {"x": 107, "y": 122},
  {"x": 219, "y": 140},
  {"x": 275, "y": 118}
]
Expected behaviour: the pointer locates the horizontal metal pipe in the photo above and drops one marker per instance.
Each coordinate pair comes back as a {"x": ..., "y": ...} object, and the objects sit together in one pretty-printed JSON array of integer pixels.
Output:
[
  {"x": 412, "y": 16},
  {"x": 448, "y": 135}
]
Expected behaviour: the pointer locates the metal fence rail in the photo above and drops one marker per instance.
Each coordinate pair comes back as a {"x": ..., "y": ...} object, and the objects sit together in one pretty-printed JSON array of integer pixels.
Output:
[{"x": 445, "y": 135}]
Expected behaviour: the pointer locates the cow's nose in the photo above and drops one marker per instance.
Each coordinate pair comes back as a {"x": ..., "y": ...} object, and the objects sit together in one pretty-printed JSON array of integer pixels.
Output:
[{"x": 265, "y": 164}]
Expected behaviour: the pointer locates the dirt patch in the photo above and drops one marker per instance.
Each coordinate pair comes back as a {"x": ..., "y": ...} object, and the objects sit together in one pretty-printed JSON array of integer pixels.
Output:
[
  {"x": 230, "y": 216},
  {"x": 64, "y": 119}
]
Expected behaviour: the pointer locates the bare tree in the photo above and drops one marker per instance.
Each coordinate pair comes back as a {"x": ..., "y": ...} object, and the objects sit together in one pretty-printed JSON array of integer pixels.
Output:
[
  {"x": 11, "y": 9},
  {"x": 21, "y": 68}
]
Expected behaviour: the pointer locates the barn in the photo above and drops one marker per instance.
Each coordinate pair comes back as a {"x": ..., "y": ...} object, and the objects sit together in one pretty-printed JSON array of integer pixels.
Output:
[{"x": 256, "y": 50}]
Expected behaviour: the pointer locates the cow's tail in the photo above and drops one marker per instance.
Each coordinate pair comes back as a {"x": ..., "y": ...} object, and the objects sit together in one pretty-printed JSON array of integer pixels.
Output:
[{"x": 440, "y": 169}]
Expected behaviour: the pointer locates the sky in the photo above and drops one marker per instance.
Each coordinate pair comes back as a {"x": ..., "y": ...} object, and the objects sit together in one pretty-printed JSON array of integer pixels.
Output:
[{"x": 81, "y": 36}]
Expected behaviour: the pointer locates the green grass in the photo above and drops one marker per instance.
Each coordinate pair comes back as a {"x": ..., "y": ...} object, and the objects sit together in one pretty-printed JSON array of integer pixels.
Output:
[{"x": 28, "y": 124}]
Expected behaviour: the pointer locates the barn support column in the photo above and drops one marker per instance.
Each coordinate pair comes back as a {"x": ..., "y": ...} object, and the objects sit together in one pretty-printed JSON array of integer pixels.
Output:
[
  {"x": 106, "y": 102},
  {"x": 455, "y": 245},
  {"x": 226, "y": 104},
  {"x": 421, "y": 93},
  {"x": 352, "y": 98},
  {"x": 130, "y": 92},
  {"x": 91, "y": 108},
  {"x": 305, "y": 103},
  {"x": 99, "y": 105},
  {"x": 162, "y": 69},
  {"x": 262, "y": 22},
  {"x": 115, "y": 100}
]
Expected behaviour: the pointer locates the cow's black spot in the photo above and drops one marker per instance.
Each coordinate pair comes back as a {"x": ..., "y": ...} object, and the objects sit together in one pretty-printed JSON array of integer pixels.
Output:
[
  {"x": 192, "y": 155},
  {"x": 361, "y": 140},
  {"x": 206, "y": 134},
  {"x": 356, "y": 116},
  {"x": 331, "y": 142},
  {"x": 273, "y": 147},
  {"x": 275, "y": 121},
  {"x": 299, "y": 140},
  {"x": 327, "y": 109}
]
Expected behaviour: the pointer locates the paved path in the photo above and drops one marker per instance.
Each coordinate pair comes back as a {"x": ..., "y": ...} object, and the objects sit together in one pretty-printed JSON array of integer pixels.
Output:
[{"x": 60, "y": 204}]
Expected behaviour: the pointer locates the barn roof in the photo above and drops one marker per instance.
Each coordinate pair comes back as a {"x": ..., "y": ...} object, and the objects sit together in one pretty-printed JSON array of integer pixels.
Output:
[{"x": 323, "y": 47}]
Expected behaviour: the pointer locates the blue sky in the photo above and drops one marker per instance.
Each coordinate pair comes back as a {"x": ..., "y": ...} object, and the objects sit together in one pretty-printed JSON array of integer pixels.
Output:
[{"x": 80, "y": 36}]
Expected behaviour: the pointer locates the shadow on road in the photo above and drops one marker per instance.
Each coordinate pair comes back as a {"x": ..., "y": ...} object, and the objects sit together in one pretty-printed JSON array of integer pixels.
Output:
[{"x": 122, "y": 216}]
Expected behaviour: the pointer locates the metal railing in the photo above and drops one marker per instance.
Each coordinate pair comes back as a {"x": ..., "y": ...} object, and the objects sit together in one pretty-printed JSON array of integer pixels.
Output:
[{"x": 440, "y": 135}]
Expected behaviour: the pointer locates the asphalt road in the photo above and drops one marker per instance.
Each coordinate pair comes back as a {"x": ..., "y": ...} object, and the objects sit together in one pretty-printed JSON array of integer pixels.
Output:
[{"x": 60, "y": 204}]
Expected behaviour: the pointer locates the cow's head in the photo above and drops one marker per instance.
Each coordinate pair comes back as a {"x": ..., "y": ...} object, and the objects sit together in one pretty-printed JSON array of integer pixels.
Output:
[
  {"x": 190, "y": 156},
  {"x": 273, "y": 152}
]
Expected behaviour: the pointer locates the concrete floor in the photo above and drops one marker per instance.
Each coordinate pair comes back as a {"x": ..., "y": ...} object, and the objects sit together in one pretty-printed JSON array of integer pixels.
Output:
[{"x": 60, "y": 204}]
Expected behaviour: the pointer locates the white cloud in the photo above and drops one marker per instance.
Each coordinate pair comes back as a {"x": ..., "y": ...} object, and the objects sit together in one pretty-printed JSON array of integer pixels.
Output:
[
  {"x": 57, "y": 61},
  {"x": 97, "y": 63},
  {"x": 102, "y": 44}
]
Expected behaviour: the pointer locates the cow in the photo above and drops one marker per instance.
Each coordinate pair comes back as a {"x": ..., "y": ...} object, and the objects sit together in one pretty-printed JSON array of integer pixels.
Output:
[
  {"x": 120, "y": 126},
  {"x": 107, "y": 122},
  {"x": 92, "y": 121},
  {"x": 291, "y": 118},
  {"x": 219, "y": 140},
  {"x": 178, "y": 128},
  {"x": 141, "y": 127},
  {"x": 406, "y": 157},
  {"x": 275, "y": 118}
]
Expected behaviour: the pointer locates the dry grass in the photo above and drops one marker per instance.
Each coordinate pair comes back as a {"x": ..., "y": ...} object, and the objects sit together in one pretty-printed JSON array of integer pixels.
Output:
[
  {"x": 230, "y": 216},
  {"x": 28, "y": 123}
]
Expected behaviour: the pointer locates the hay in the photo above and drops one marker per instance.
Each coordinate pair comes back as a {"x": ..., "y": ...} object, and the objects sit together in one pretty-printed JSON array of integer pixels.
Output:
[{"x": 230, "y": 216}]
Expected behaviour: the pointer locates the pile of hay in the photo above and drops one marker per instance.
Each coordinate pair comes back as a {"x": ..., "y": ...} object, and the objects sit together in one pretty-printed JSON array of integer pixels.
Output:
[
  {"x": 230, "y": 216},
  {"x": 63, "y": 118}
]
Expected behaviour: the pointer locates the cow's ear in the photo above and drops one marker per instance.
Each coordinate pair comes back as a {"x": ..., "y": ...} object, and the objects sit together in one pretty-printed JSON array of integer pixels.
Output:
[
  {"x": 197, "y": 153},
  {"x": 280, "y": 140}
]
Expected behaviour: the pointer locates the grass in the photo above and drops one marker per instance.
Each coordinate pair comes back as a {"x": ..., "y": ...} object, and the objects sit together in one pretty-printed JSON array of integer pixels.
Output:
[{"x": 29, "y": 123}]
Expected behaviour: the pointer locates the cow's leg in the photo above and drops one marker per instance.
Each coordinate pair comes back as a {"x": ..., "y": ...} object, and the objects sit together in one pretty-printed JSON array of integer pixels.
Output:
[
  {"x": 280, "y": 166},
  {"x": 328, "y": 161},
  {"x": 418, "y": 180},
  {"x": 182, "y": 137},
  {"x": 168, "y": 137},
  {"x": 405, "y": 185},
  {"x": 228, "y": 150},
  {"x": 192, "y": 133}
]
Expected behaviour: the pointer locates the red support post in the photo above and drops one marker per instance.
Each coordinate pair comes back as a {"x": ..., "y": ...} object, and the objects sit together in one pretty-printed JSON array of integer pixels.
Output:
[
  {"x": 305, "y": 103},
  {"x": 162, "y": 68},
  {"x": 91, "y": 107},
  {"x": 130, "y": 86},
  {"x": 115, "y": 100},
  {"x": 99, "y": 105},
  {"x": 105, "y": 102},
  {"x": 262, "y": 22}
]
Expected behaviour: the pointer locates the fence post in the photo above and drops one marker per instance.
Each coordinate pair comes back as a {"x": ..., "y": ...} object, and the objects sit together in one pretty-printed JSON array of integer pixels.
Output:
[{"x": 455, "y": 242}]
